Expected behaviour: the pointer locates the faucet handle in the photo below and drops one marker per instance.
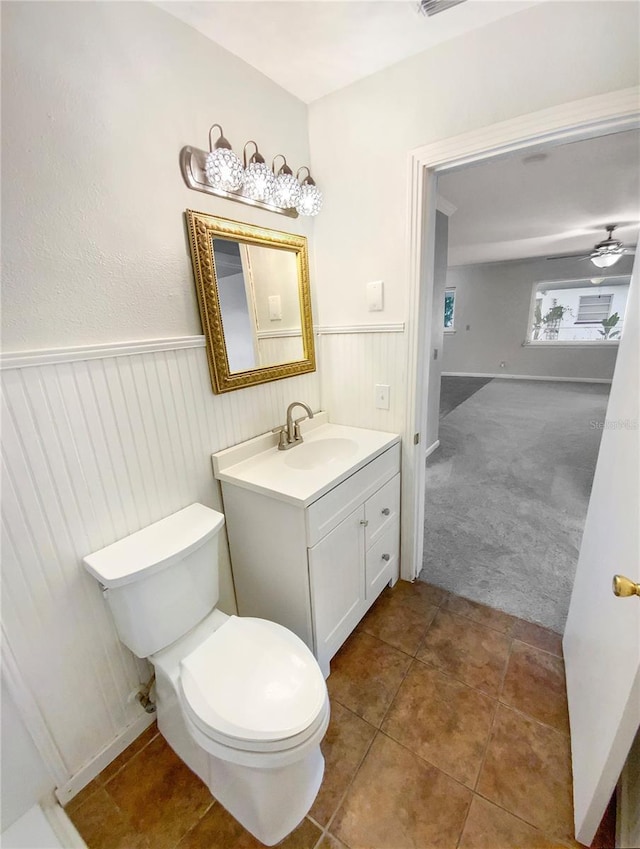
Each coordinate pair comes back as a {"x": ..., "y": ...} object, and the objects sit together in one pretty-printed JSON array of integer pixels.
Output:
[{"x": 282, "y": 441}]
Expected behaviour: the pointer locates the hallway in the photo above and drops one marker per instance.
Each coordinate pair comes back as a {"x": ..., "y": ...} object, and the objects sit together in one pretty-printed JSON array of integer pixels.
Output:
[{"x": 507, "y": 494}]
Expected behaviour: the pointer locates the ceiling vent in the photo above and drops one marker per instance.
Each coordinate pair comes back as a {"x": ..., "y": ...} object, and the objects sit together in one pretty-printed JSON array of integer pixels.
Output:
[{"x": 432, "y": 7}]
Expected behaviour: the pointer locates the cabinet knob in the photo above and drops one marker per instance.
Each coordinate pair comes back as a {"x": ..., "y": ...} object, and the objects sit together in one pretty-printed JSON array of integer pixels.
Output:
[
  {"x": 386, "y": 557},
  {"x": 364, "y": 522},
  {"x": 385, "y": 511}
]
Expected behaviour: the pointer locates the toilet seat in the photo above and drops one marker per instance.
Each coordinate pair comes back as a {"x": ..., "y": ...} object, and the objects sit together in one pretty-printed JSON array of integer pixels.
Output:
[{"x": 253, "y": 685}]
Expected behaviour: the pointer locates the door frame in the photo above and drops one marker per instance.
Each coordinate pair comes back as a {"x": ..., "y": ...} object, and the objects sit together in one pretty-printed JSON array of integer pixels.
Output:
[{"x": 594, "y": 116}]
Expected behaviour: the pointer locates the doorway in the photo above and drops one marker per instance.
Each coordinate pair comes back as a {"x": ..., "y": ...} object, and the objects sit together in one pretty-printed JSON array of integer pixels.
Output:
[
  {"x": 611, "y": 113},
  {"x": 530, "y": 329}
]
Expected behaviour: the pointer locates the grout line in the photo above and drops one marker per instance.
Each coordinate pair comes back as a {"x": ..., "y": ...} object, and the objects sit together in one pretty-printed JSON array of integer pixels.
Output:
[
  {"x": 427, "y": 761},
  {"x": 453, "y": 677},
  {"x": 214, "y": 801},
  {"x": 566, "y": 841},
  {"x": 331, "y": 819},
  {"x": 565, "y": 734},
  {"x": 537, "y": 648},
  {"x": 493, "y": 718},
  {"x": 130, "y": 759}
]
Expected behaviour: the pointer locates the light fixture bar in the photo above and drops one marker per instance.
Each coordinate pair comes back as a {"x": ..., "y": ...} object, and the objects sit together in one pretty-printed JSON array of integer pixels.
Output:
[{"x": 192, "y": 166}]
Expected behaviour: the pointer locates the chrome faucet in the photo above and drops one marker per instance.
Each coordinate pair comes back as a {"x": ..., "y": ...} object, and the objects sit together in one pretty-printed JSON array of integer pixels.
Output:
[{"x": 290, "y": 432}]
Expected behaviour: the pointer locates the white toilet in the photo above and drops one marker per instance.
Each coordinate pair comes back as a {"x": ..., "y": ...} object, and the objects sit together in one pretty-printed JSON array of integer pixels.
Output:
[{"x": 241, "y": 701}]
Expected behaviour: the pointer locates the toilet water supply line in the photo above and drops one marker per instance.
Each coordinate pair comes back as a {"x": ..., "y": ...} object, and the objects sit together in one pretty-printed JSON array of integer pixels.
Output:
[{"x": 143, "y": 696}]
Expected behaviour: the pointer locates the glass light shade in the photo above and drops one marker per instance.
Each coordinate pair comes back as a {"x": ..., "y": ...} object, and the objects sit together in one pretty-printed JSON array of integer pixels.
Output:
[
  {"x": 605, "y": 260},
  {"x": 259, "y": 182},
  {"x": 224, "y": 170},
  {"x": 310, "y": 201},
  {"x": 287, "y": 191}
]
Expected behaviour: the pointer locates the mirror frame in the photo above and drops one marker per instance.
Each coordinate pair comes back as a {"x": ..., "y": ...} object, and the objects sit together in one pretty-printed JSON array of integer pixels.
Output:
[{"x": 202, "y": 229}]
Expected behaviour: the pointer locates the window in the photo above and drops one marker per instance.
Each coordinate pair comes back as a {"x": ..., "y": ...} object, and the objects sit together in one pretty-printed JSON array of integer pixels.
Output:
[
  {"x": 449, "y": 308},
  {"x": 593, "y": 308},
  {"x": 578, "y": 311}
]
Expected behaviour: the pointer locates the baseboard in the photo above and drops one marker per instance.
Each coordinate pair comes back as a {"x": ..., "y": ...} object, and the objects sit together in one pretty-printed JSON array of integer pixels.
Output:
[
  {"x": 76, "y": 783},
  {"x": 61, "y": 824},
  {"x": 433, "y": 447},
  {"x": 526, "y": 377}
]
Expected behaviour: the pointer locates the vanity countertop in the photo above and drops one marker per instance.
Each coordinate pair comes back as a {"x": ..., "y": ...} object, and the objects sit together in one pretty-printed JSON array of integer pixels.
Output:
[{"x": 329, "y": 454}]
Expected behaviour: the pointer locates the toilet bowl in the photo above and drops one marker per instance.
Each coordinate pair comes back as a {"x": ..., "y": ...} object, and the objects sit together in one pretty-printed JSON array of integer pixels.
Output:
[{"x": 242, "y": 701}]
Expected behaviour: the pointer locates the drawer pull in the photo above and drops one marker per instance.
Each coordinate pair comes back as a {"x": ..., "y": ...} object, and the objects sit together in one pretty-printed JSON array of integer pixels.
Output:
[
  {"x": 364, "y": 522},
  {"x": 386, "y": 557},
  {"x": 385, "y": 511}
]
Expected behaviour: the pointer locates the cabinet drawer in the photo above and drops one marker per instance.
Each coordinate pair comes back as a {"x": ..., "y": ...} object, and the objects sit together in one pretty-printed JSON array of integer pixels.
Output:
[
  {"x": 381, "y": 561},
  {"x": 328, "y": 511},
  {"x": 381, "y": 510}
]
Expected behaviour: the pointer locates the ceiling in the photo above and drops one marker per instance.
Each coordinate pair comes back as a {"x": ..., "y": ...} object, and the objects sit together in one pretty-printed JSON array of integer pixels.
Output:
[
  {"x": 314, "y": 48},
  {"x": 526, "y": 206}
]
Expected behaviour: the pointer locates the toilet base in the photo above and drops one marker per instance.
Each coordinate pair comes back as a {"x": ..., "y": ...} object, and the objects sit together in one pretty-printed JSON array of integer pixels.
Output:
[{"x": 269, "y": 803}]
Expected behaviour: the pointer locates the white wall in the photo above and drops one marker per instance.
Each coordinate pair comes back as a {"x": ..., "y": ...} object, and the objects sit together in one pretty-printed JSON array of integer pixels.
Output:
[
  {"x": 494, "y": 301},
  {"x": 547, "y": 55},
  {"x": 25, "y": 779},
  {"x": 98, "y": 99},
  {"x": 437, "y": 330}
]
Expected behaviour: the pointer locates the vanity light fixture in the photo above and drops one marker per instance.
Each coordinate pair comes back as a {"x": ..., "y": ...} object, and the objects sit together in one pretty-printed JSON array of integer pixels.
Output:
[
  {"x": 220, "y": 172},
  {"x": 259, "y": 180},
  {"x": 222, "y": 167},
  {"x": 287, "y": 191},
  {"x": 310, "y": 196}
]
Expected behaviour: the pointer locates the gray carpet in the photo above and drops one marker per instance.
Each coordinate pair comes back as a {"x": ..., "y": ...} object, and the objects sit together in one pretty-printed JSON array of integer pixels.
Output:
[
  {"x": 455, "y": 390},
  {"x": 507, "y": 495}
]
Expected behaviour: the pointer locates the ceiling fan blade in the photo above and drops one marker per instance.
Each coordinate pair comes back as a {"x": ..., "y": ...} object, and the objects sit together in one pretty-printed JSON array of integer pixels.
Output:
[{"x": 578, "y": 257}]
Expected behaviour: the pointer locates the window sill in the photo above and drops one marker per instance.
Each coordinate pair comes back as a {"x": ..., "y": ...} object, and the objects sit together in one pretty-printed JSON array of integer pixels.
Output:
[
  {"x": 449, "y": 330},
  {"x": 604, "y": 343}
]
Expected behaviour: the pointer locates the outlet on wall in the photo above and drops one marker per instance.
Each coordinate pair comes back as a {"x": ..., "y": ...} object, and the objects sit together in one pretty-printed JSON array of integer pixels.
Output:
[{"x": 502, "y": 364}]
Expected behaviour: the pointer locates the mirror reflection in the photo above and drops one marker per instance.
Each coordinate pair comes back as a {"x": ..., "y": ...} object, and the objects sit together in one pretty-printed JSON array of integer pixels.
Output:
[
  {"x": 259, "y": 302},
  {"x": 255, "y": 302}
]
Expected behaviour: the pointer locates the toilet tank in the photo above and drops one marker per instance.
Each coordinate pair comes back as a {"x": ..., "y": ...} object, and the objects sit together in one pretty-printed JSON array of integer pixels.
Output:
[{"x": 162, "y": 580}]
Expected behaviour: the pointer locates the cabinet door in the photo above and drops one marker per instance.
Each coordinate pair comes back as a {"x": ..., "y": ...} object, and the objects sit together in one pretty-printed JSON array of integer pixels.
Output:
[{"x": 336, "y": 570}]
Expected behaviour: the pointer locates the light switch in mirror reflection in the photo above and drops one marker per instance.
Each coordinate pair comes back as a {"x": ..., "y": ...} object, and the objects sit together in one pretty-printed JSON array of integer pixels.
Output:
[
  {"x": 255, "y": 302},
  {"x": 259, "y": 304}
]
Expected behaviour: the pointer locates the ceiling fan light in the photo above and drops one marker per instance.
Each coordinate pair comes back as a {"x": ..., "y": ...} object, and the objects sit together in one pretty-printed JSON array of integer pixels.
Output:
[{"x": 605, "y": 260}]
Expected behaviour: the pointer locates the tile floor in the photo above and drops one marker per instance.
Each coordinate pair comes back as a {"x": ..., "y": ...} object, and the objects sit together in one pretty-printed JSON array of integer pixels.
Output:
[{"x": 449, "y": 729}]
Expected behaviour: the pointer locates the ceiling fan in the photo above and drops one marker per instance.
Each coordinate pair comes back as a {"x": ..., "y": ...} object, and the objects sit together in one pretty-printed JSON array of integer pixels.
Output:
[{"x": 606, "y": 253}]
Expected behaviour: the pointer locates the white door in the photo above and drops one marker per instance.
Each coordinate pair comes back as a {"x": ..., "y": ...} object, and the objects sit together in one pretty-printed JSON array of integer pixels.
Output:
[{"x": 602, "y": 636}]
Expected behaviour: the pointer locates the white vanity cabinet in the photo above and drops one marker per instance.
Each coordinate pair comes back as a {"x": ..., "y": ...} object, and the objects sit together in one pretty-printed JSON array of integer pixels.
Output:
[{"x": 316, "y": 568}]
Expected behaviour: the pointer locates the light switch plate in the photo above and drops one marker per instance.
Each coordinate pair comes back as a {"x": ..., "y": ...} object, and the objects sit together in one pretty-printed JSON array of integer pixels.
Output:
[
  {"x": 382, "y": 396},
  {"x": 275, "y": 307},
  {"x": 375, "y": 295}
]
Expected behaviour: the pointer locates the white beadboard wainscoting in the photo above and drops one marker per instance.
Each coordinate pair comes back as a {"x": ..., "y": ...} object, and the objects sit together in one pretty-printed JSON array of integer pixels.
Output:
[
  {"x": 356, "y": 358},
  {"x": 97, "y": 443}
]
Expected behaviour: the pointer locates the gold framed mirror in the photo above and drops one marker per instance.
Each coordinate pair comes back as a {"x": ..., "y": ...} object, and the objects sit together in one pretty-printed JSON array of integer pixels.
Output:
[{"x": 254, "y": 298}]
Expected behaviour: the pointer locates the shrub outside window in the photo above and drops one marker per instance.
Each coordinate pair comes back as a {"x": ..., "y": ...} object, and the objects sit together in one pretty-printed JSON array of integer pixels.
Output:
[
  {"x": 449, "y": 308},
  {"x": 578, "y": 311}
]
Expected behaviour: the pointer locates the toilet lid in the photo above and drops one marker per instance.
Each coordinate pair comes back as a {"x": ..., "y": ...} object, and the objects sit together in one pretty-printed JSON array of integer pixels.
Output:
[{"x": 253, "y": 680}]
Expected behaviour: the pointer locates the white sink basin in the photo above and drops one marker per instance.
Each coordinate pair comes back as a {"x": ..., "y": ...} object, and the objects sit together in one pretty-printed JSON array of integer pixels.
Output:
[
  {"x": 329, "y": 454},
  {"x": 309, "y": 455}
]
